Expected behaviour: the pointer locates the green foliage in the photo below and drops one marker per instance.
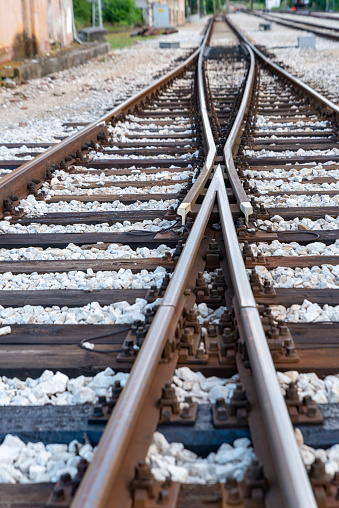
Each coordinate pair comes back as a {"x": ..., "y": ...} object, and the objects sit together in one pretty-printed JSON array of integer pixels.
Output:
[
  {"x": 113, "y": 11},
  {"x": 121, "y": 11},
  {"x": 82, "y": 12},
  {"x": 209, "y": 6}
]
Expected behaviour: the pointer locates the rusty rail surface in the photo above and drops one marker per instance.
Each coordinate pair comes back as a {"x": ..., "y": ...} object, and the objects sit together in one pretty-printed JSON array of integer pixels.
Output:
[
  {"x": 104, "y": 481},
  {"x": 191, "y": 197},
  {"x": 233, "y": 141},
  {"x": 306, "y": 23},
  {"x": 297, "y": 25},
  {"x": 290, "y": 471},
  {"x": 14, "y": 185},
  {"x": 318, "y": 98},
  {"x": 104, "y": 484}
]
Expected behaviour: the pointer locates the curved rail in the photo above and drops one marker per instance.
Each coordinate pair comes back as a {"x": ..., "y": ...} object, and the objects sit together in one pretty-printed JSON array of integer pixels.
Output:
[
  {"x": 96, "y": 488},
  {"x": 16, "y": 182},
  {"x": 297, "y": 25},
  {"x": 191, "y": 197},
  {"x": 233, "y": 141},
  {"x": 306, "y": 23},
  {"x": 323, "y": 102},
  {"x": 291, "y": 473}
]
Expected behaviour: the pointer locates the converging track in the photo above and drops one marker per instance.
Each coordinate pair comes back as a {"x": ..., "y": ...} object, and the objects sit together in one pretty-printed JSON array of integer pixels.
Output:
[{"x": 176, "y": 262}]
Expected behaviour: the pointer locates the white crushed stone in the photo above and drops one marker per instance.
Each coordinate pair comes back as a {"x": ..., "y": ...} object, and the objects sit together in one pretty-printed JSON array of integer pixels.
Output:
[
  {"x": 319, "y": 277},
  {"x": 11, "y": 153},
  {"x": 83, "y": 280},
  {"x": 6, "y": 330},
  {"x": 277, "y": 248},
  {"x": 112, "y": 251},
  {"x": 300, "y": 152},
  {"x": 322, "y": 391},
  {"x": 34, "y": 208},
  {"x": 264, "y": 124},
  {"x": 155, "y": 226},
  {"x": 308, "y": 312},
  {"x": 103, "y": 156},
  {"x": 72, "y": 190},
  {"x": 330, "y": 457},
  {"x": 184, "y": 466},
  {"x": 57, "y": 389},
  {"x": 36, "y": 462},
  {"x": 279, "y": 185},
  {"x": 92, "y": 313},
  {"x": 202, "y": 389},
  {"x": 60, "y": 177},
  {"x": 297, "y": 173},
  {"x": 302, "y": 200},
  {"x": 277, "y": 223}
]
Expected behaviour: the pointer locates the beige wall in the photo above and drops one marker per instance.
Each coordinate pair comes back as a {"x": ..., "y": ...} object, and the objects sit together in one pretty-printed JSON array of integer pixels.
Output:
[
  {"x": 176, "y": 7},
  {"x": 60, "y": 21},
  {"x": 28, "y": 26}
]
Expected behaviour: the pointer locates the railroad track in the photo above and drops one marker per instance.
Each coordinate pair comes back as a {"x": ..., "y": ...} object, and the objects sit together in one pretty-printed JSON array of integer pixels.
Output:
[
  {"x": 321, "y": 30},
  {"x": 175, "y": 240}
]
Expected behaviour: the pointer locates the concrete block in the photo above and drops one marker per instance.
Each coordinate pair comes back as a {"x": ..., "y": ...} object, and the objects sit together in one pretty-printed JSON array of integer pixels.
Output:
[
  {"x": 92, "y": 33},
  {"x": 306, "y": 41},
  {"x": 167, "y": 44},
  {"x": 48, "y": 65},
  {"x": 265, "y": 26}
]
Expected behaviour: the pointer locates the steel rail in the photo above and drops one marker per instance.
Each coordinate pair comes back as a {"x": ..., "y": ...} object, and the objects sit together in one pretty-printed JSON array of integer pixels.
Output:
[
  {"x": 95, "y": 490},
  {"x": 16, "y": 182},
  {"x": 291, "y": 473},
  {"x": 191, "y": 197},
  {"x": 233, "y": 141},
  {"x": 322, "y": 101},
  {"x": 295, "y": 488},
  {"x": 297, "y": 25},
  {"x": 306, "y": 23}
]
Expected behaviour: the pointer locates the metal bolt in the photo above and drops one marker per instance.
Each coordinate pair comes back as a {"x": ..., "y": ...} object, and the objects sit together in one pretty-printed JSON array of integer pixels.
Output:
[
  {"x": 97, "y": 411},
  {"x": 168, "y": 392},
  {"x": 58, "y": 493},
  {"x": 214, "y": 346},
  {"x": 163, "y": 496},
  {"x": 186, "y": 411},
  {"x": 234, "y": 497},
  {"x": 65, "y": 479}
]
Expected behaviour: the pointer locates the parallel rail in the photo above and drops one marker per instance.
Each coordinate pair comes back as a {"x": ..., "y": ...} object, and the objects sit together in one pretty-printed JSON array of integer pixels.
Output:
[
  {"x": 324, "y": 32},
  {"x": 13, "y": 187},
  {"x": 134, "y": 419},
  {"x": 106, "y": 483},
  {"x": 316, "y": 97}
]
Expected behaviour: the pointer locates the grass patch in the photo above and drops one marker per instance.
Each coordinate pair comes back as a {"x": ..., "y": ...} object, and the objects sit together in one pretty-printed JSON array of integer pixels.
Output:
[{"x": 121, "y": 38}]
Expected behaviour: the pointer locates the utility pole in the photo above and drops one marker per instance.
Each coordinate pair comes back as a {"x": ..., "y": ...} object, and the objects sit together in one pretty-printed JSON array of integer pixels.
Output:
[
  {"x": 198, "y": 7},
  {"x": 214, "y": 7},
  {"x": 94, "y": 13},
  {"x": 327, "y": 7},
  {"x": 100, "y": 14},
  {"x": 204, "y": 7}
]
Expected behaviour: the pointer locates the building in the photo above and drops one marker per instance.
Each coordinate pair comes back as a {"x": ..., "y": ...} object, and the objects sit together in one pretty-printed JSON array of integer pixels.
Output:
[
  {"x": 176, "y": 10},
  {"x": 30, "y": 27}
]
